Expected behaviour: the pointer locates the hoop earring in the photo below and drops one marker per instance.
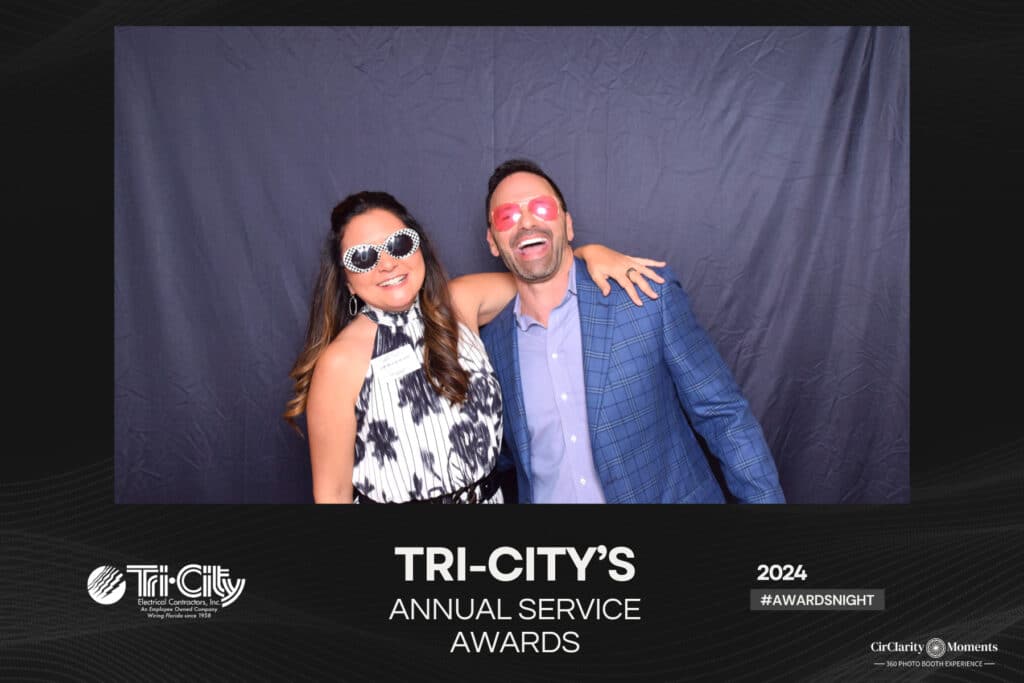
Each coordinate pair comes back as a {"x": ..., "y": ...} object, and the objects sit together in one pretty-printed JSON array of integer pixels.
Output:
[{"x": 353, "y": 306}]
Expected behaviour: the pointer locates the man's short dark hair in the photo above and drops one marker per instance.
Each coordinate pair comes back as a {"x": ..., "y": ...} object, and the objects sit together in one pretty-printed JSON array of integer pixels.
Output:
[{"x": 507, "y": 168}]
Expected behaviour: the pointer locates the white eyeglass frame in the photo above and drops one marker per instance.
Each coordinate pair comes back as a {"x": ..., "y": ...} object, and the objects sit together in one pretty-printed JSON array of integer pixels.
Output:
[{"x": 346, "y": 259}]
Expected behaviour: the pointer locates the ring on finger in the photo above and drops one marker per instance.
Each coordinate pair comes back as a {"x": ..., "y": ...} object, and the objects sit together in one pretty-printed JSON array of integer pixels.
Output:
[{"x": 630, "y": 270}]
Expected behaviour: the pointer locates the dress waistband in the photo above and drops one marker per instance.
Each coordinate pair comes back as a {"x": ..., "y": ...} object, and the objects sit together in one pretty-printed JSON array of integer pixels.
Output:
[{"x": 477, "y": 492}]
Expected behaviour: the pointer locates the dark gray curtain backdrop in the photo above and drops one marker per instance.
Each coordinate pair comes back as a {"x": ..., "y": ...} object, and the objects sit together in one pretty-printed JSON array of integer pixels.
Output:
[{"x": 768, "y": 166}]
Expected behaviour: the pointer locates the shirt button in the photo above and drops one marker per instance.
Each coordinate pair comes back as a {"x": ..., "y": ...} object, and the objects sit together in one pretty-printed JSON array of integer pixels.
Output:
[
  {"x": 573, "y": 438},
  {"x": 583, "y": 482},
  {"x": 565, "y": 397},
  {"x": 555, "y": 356}
]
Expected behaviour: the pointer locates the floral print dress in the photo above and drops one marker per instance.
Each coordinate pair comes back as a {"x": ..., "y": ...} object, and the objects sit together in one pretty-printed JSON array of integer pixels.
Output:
[{"x": 412, "y": 443}]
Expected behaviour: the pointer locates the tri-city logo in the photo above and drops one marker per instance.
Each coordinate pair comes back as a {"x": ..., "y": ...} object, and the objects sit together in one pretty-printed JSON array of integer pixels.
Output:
[
  {"x": 194, "y": 590},
  {"x": 106, "y": 585}
]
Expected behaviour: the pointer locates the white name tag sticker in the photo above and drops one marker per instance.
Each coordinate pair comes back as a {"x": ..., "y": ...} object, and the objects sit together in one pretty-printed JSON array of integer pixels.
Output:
[{"x": 395, "y": 364}]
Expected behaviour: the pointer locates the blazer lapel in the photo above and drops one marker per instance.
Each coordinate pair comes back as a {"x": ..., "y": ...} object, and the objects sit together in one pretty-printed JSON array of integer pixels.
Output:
[
  {"x": 597, "y": 324},
  {"x": 506, "y": 364}
]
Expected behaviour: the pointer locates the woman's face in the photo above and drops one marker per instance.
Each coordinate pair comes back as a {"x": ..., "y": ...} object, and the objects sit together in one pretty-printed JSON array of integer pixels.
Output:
[{"x": 393, "y": 283}]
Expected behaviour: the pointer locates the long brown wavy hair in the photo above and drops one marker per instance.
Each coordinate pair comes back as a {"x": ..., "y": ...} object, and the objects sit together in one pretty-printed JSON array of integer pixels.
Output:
[{"x": 330, "y": 308}]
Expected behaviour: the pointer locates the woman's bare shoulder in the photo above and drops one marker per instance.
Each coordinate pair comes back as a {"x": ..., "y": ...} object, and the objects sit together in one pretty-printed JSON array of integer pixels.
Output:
[{"x": 348, "y": 356}]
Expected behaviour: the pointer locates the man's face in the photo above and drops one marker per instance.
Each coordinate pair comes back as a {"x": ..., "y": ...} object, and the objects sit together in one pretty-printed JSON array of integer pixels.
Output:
[{"x": 528, "y": 228}]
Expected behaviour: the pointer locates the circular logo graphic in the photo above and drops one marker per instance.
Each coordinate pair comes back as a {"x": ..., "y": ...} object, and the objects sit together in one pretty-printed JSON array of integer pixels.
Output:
[
  {"x": 106, "y": 585},
  {"x": 935, "y": 648}
]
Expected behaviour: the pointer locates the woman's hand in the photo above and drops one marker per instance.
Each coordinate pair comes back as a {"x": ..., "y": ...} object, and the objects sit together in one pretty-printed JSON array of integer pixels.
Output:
[{"x": 629, "y": 271}]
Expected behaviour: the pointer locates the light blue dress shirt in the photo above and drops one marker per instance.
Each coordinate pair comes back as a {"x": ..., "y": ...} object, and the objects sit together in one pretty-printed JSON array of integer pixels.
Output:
[{"x": 551, "y": 364}]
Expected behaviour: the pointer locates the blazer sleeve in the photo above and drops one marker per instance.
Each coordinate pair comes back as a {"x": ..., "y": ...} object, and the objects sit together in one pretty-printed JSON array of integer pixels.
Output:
[{"x": 713, "y": 401}]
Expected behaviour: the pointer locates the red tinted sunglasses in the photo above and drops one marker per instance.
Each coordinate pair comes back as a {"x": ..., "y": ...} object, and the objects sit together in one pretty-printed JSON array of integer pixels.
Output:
[{"x": 506, "y": 216}]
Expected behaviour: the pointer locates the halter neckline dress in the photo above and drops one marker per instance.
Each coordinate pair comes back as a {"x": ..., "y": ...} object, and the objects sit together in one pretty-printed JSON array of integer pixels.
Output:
[{"x": 412, "y": 443}]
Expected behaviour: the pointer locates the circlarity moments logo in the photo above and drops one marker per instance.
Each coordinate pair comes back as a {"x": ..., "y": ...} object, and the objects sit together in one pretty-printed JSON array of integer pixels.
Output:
[
  {"x": 934, "y": 653},
  {"x": 935, "y": 648}
]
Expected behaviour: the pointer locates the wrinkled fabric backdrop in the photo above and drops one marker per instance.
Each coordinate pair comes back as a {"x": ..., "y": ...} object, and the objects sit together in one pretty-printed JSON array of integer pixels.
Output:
[{"x": 768, "y": 166}]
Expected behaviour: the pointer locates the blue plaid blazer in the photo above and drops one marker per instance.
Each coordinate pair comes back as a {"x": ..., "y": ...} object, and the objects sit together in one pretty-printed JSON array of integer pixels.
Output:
[{"x": 650, "y": 372}]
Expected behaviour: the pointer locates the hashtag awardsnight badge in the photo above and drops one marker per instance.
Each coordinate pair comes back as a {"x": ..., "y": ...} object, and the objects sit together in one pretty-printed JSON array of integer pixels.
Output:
[{"x": 195, "y": 591}]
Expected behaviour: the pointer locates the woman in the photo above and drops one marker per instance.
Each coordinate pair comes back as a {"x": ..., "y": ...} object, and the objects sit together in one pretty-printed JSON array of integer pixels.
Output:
[{"x": 401, "y": 402}]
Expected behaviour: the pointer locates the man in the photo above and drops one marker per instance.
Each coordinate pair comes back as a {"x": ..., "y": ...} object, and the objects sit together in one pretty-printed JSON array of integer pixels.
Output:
[{"x": 600, "y": 395}]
